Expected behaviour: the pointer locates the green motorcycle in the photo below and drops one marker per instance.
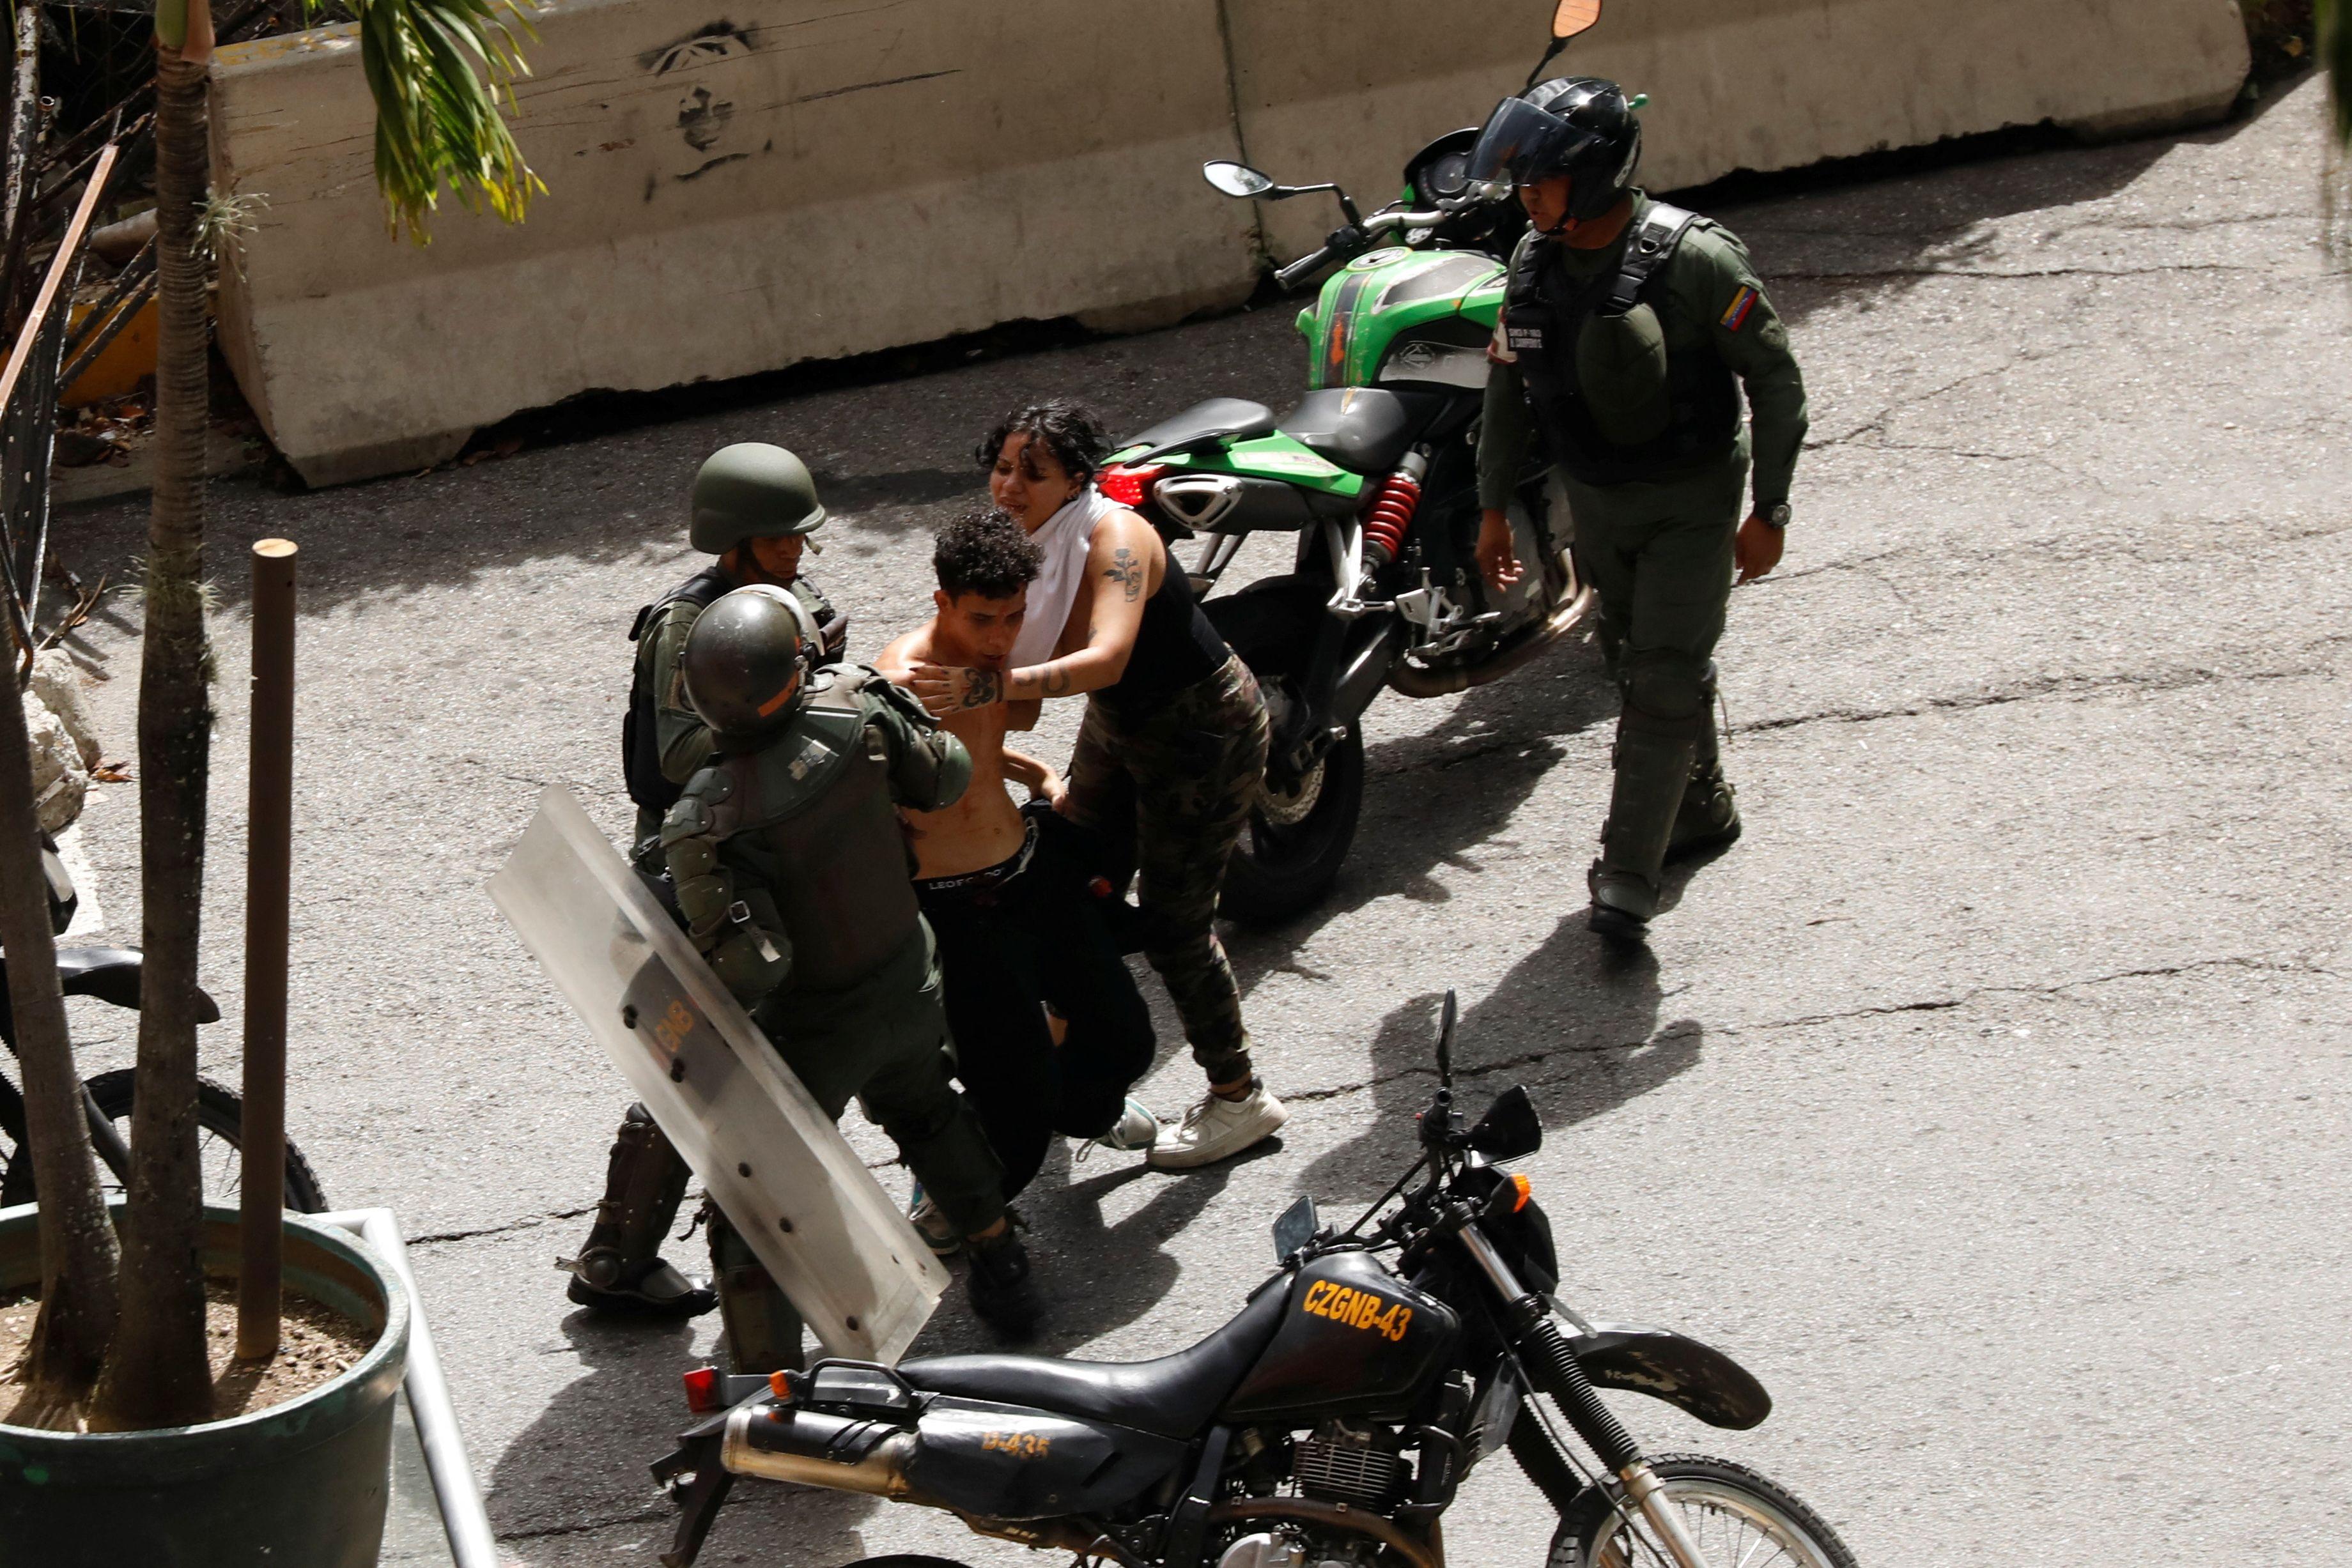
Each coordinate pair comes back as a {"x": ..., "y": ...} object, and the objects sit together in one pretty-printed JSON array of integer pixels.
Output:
[{"x": 1375, "y": 472}]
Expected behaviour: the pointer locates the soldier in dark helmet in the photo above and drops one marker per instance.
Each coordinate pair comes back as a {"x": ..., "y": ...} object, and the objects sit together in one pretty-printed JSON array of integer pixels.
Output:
[
  {"x": 755, "y": 511},
  {"x": 795, "y": 881},
  {"x": 1628, "y": 333}
]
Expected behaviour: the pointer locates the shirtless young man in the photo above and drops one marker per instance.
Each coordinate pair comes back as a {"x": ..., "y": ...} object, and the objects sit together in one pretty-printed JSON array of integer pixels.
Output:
[{"x": 1008, "y": 897}]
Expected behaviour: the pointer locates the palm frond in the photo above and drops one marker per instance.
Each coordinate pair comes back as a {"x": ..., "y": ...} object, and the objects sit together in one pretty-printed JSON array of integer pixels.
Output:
[{"x": 438, "y": 70}]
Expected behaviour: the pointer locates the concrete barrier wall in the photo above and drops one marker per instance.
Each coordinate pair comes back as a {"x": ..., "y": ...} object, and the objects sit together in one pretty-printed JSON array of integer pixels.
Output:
[
  {"x": 1734, "y": 84},
  {"x": 739, "y": 187},
  {"x": 731, "y": 187}
]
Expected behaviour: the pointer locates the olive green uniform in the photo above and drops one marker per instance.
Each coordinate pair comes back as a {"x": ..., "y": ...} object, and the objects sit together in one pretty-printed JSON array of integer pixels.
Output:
[
  {"x": 794, "y": 879},
  {"x": 1655, "y": 469},
  {"x": 681, "y": 740}
]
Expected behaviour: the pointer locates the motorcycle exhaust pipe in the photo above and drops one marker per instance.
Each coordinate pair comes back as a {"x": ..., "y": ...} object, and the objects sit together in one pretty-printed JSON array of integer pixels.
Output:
[
  {"x": 1409, "y": 682},
  {"x": 810, "y": 1449}
]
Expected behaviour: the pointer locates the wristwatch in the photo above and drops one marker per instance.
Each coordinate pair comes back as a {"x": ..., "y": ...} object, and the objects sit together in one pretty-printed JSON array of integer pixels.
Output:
[{"x": 1776, "y": 516}]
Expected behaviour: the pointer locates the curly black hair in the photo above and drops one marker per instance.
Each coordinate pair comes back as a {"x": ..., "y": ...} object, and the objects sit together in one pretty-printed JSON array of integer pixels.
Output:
[
  {"x": 984, "y": 552},
  {"x": 1067, "y": 429}
]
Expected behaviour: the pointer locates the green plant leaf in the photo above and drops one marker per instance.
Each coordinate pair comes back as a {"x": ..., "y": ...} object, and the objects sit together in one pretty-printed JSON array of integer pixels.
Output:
[{"x": 437, "y": 70}]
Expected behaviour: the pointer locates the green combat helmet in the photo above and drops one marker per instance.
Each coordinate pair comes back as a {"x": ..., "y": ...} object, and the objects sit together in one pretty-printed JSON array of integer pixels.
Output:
[
  {"x": 751, "y": 491},
  {"x": 746, "y": 662}
]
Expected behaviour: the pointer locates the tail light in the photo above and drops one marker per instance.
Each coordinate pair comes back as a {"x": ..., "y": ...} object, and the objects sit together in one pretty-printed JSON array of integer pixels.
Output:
[
  {"x": 702, "y": 1390},
  {"x": 1129, "y": 487}
]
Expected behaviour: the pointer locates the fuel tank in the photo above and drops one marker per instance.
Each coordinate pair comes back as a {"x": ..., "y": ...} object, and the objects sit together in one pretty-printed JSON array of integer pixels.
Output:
[{"x": 1355, "y": 1340}]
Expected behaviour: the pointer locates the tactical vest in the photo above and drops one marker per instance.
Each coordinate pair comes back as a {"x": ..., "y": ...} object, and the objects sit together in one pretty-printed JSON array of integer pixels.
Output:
[
  {"x": 814, "y": 814},
  {"x": 640, "y": 727},
  {"x": 1546, "y": 314}
]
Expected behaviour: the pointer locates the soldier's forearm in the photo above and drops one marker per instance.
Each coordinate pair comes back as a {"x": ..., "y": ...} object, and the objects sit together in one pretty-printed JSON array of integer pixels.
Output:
[
  {"x": 1779, "y": 418},
  {"x": 1504, "y": 430}
]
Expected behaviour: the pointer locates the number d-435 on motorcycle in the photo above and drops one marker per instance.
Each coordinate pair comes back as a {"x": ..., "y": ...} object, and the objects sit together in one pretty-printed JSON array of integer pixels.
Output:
[{"x": 1329, "y": 1425}]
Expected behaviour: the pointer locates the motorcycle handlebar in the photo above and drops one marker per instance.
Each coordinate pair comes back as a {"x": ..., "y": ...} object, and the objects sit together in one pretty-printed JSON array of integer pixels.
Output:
[
  {"x": 1369, "y": 229},
  {"x": 1304, "y": 267}
]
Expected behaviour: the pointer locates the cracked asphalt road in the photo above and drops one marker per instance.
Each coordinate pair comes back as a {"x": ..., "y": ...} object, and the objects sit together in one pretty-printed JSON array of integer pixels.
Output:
[{"x": 1988, "y": 1099}]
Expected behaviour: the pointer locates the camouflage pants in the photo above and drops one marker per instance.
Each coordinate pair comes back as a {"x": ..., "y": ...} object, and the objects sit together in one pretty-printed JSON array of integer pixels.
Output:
[{"x": 1178, "y": 784}]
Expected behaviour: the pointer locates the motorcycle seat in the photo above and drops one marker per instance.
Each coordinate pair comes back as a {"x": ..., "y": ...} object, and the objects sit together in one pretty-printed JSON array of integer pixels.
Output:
[
  {"x": 1365, "y": 430},
  {"x": 1219, "y": 419},
  {"x": 1171, "y": 1396}
]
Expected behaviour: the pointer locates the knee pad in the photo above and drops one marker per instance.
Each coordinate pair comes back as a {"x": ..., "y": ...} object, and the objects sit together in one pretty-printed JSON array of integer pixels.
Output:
[{"x": 1662, "y": 684}]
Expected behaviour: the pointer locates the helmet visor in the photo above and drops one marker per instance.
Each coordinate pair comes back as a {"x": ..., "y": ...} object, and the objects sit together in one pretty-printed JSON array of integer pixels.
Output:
[{"x": 1522, "y": 144}]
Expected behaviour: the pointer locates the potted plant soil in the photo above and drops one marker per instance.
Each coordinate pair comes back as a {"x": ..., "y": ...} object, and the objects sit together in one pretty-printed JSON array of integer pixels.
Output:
[{"x": 177, "y": 1385}]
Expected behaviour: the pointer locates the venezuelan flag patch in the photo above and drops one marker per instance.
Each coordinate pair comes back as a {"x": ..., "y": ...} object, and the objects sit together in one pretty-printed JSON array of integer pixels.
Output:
[{"x": 1735, "y": 317}]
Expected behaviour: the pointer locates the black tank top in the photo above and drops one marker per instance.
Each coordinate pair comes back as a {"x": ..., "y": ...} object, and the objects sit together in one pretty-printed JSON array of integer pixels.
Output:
[{"x": 1174, "y": 647}]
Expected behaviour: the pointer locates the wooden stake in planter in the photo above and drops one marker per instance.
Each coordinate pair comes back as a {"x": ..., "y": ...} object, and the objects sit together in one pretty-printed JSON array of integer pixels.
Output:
[{"x": 269, "y": 863}]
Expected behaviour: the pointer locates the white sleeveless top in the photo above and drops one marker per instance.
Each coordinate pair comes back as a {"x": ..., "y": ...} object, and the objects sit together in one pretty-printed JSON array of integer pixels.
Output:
[{"x": 1064, "y": 539}]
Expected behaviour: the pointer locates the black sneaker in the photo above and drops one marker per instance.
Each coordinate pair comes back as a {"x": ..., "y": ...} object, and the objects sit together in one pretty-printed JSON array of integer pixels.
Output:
[{"x": 1003, "y": 1294}]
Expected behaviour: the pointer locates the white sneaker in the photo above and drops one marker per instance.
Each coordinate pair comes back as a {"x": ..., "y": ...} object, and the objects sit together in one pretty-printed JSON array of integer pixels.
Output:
[
  {"x": 932, "y": 1225},
  {"x": 1218, "y": 1128},
  {"x": 1136, "y": 1129}
]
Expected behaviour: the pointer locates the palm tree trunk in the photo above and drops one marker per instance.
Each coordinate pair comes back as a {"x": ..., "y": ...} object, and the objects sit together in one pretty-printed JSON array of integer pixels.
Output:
[
  {"x": 157, "y": 1374},
  {"x": 78, "y": 1257}
]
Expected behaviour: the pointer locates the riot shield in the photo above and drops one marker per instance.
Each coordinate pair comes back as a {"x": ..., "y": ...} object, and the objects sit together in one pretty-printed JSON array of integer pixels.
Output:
[{"x": 777, "y": 1165}]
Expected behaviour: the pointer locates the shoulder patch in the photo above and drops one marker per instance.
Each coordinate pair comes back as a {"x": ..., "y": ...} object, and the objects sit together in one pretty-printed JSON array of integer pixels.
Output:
[{"x": 1743, "y": 303}]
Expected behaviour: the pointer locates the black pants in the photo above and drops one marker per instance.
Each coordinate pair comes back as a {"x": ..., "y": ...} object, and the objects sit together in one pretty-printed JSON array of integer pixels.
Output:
[{"x": 1008, "y": 945}]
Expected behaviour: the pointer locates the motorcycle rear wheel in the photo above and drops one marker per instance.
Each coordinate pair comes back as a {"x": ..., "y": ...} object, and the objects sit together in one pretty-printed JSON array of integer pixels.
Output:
[
  {"x": 1738, "y": 1518},
  {"x": 1297, "y": 840}
]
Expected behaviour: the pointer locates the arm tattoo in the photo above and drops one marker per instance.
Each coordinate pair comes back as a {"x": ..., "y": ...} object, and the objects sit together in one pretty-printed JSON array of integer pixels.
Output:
[
  {"x": 984, "y": 688},
  {"x": 1127, "y": 571},
  {"x": 1057, "y": 681}
]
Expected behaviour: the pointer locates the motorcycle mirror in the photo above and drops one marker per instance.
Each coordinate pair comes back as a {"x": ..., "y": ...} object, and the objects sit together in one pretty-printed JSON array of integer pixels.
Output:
[
  {"x": 1295, "y": 1229},
  {"x": 1510, "y": 1130},
  {"x": 1445, "y": 1041},
  {"x": 1236, "y": 179},
  {"x": 1571, "y": 17}
]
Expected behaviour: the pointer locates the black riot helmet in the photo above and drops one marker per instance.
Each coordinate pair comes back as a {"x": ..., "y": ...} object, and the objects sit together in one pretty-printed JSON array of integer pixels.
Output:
[
  {"x": 1578, "y": 126},
  {"x": 747, "y": 660}
]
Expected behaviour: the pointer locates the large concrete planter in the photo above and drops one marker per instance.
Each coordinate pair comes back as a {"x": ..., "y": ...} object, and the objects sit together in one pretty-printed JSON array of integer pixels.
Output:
[{"x": 300, "y": 1483}]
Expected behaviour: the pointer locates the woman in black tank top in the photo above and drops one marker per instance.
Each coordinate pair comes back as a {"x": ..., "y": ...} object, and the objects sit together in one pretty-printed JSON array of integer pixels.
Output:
[{"x": 1170, "y": 757}]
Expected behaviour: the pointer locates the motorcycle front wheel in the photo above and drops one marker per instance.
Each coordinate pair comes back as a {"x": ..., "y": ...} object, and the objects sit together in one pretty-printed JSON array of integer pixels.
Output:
[
  {"x": 1736, "y": 1518},
  {"x": 1297, "y": 839},
  {"x": 220, "y": 1117}
]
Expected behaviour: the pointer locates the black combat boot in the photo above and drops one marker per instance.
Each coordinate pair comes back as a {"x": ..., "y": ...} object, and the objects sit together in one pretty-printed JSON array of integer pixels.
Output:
[
  {"x": 620, "y": 1269},
  {"x": 1653, "y": 760},
  {"x": 1709, "y": 817},
  {"x": 763, "y": 1328},
  {"x": 1003, "y": 1294}
]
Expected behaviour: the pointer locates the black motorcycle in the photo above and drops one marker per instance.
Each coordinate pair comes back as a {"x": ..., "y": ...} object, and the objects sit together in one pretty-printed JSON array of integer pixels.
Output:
[
  {"x": 113, "y": 975},
  {"x": 1329, "y": 1423}
]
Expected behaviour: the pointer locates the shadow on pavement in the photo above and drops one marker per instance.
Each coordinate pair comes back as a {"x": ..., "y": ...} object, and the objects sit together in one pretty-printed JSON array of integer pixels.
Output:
[
  {"x": 1433, "y": 798},
  {"x": 1575, "y": 1020},
  {"x": 581, "y": 1464}
]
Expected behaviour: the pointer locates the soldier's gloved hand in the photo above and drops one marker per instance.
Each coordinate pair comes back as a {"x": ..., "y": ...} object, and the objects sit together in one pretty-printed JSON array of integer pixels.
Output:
[
  {"x": 1499, "y": 557},
  {"x": 1757, "y": 548},
  {"x": 947, "y": 691}
]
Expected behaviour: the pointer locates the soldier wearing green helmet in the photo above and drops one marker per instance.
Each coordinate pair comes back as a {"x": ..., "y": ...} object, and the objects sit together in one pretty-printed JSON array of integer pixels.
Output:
[
  {"x": 1629, "y": 331},
  {"x": 794, "y": 880},
  {"x": 754, "y": 509}
]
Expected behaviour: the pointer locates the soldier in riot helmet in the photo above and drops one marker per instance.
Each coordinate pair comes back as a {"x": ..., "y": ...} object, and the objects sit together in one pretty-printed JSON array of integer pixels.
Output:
[
  {"x": 1629, "y": 329},
  {"x": 795, "y": 881},
  {"x": 755, "y": 511}
]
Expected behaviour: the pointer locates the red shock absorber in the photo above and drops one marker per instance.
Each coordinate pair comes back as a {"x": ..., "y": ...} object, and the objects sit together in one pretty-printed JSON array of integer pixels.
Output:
[{"x": 1390, "y": 512}]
